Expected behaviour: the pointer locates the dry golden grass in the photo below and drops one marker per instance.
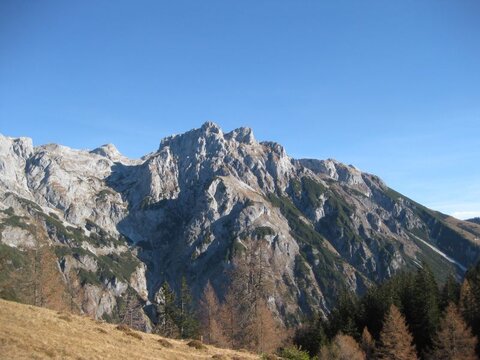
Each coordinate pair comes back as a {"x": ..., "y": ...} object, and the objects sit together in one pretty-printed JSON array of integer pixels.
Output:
[{"x": 28, "y": 332}]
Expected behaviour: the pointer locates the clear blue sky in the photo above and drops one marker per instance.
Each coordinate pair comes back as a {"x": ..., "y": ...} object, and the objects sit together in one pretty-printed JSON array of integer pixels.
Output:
[{"x": 392, "y": 87}]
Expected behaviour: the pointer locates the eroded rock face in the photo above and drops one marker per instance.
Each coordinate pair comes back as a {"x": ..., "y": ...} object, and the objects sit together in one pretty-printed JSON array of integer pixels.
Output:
[{"x": 203, "y": 197}]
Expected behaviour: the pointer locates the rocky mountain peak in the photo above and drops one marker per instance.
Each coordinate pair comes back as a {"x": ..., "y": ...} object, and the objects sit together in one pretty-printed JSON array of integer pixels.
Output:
[
  {"x": 14, "y": 153},
  {"x": 242, "y": 135},
  {"x": 209, "y": 135},
  {"x": 210, "y": 127},
  {"x": 20, "y": 147},
  {"x": 109, "y": 151},
  {"x": 190, "y": 140}
]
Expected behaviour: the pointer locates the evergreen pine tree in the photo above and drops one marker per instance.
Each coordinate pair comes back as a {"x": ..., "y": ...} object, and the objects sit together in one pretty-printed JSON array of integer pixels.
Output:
[
  {"x": 399, "y": 290},
  {"x": 344, "y": 317},
  {"x": 167, "y": 312},
  {"x": 311, "y": 337},
  {"x": 424, "y": 314},
  {"x": 375, "y": 305},
  {"x": 187, "y": 319},
  {"x": 450, "y": 292},
  {"x": 395, "y": 339},
  {"x": 454, "y": 340},
  {"x": 470, "y": 305}
]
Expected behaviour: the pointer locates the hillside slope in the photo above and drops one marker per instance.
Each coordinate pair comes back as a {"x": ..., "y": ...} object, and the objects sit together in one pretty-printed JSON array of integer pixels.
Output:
[{"x": 28, "y": 332}]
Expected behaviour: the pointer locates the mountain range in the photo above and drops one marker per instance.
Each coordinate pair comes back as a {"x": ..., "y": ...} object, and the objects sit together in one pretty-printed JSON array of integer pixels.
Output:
[{"x": 92, "y": 230}]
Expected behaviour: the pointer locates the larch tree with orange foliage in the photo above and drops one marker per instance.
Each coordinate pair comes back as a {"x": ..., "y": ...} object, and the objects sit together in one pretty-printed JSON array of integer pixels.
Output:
[
  {"x": 247, "y": 320},
  {"x": 343, "y": 347},
  {"x": 368, "y": 344},
  {"x": 454, "y": 340},
  {"x": 209, "y": 316},
  {"x": 395, "y": 338}
]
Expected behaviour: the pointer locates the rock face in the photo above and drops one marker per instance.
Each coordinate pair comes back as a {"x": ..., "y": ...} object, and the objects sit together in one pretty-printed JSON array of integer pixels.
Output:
[{"x": 120, "y": 227}]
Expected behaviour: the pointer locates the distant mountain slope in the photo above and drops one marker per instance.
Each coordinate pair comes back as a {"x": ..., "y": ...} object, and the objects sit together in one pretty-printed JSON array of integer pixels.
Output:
[
  {"x": 475, "y": 220},
  {"x": 118, "y": 228},
  {"x": 29, "y": 332}
]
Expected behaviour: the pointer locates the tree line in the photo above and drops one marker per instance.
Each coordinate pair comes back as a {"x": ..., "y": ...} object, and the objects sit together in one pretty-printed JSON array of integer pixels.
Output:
[
  {"x": 408, "y": 317},
  {"x": 176, "y": 318},
  {"x": 242, "y": 319}
]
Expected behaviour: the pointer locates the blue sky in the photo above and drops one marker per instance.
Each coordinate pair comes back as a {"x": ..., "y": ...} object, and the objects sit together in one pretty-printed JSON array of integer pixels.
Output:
[{"x": 392, "y": 87}]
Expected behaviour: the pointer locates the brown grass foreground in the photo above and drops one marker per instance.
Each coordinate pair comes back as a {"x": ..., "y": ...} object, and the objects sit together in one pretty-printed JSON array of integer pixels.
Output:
[{"x": 29, "y": 332}]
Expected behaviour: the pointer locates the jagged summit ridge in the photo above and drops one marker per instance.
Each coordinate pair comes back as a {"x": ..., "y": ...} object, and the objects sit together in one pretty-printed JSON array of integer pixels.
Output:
[{"x": 211, "y": 131}]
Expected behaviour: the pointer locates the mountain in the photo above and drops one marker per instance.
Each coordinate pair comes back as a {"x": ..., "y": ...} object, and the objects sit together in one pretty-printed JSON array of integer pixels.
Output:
[
  {"x": 99, "y": 233},
  {"x": 475, "y": 220}
]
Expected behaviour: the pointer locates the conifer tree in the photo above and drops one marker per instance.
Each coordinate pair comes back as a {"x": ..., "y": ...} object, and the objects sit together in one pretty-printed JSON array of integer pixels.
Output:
[
  {"x": 470, "y": 301},
  {"x": 229, "y": 312},
  {"x": 43, "y": 279},
  {"x": 167, "y": 312},
  {"x": 395, "y": 339},
  {"x": 247, "y": 320},
  {"x": 343, "y": 318},
  {"x": 210, "y": 319},
  {"x": 367, "y": 344},
  {"x": 343, "y": 347},
  {"x": 424, "y": 314},
  {"x": 311, "y": 337},
  {"x": 454, "y": 340},
  {"x": 375, "y": 305},
  {"x": 450, "y": 292},
  {"x": 268, "y": 333},
  {"x": 469, "y": 305},
  {"x": 131, "y": 312},
  {"x": 187, "y": 319}
]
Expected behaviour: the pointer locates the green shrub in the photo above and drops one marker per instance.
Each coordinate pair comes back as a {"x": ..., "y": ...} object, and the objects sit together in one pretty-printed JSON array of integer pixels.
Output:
[
  {"x": 25, "y": 202},
  {"x": 313, "y": 190},
  {"x": 293, "y": 353},
  {"x": 122, "y": 265},
  {"x": 12, "y": 257},
  {"x": 262, "y": 231},
  {"x": 88, "y": 277},
  {"x": 13, "y": 221}
]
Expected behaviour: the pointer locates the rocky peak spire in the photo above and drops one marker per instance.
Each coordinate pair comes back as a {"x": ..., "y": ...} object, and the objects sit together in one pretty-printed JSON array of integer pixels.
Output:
[
  {"x": 210, "y": 126},
  {"x": 242, "y": 135},
  {"x": 109, "y": 151}
]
